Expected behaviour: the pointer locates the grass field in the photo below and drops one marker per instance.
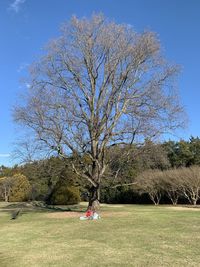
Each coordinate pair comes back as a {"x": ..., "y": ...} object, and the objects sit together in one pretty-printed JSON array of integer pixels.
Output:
[{"x": 127, "y": 235}]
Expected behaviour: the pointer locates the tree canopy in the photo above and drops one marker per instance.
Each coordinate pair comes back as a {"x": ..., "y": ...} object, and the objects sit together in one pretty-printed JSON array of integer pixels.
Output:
[{"x": 100, "y": 84}]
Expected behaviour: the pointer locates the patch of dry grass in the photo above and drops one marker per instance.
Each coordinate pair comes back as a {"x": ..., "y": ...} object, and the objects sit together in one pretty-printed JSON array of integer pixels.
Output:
[
  {"x": 68, "y": 214},
  {"x": 182, "y": 208}
]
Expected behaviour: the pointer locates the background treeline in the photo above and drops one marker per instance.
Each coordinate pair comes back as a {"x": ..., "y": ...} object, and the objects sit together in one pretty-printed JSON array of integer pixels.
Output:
[
  {"x": 51, "y": 180},
  {"x": 158, "y": 173}
]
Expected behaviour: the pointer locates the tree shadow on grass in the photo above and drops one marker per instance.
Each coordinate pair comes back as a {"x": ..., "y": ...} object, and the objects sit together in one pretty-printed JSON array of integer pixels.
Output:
[{"x": 38, "y": 206}]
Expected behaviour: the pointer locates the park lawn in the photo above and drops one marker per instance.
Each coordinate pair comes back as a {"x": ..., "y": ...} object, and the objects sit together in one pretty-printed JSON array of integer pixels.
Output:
[{"x": 127, "y": 235}]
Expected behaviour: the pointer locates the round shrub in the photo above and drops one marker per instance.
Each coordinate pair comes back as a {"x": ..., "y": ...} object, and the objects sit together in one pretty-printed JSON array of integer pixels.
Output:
[
  {"x": 64, "y": 194},
  {"x": 20, "y": 190}
]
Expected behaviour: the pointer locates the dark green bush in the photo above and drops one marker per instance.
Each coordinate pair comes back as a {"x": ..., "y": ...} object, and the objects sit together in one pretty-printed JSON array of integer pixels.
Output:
[
  {"x": 123, "y": 195},
  {"x": 64, "y": 194}
]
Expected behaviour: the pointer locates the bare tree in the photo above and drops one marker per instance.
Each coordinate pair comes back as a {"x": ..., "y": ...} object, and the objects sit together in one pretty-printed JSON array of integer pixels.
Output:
[
  {"x": 99, "y": 85},
  {"x": 27, "y": 150},
  {"x": 190, "y": 183},
  {"x": 150, "y": 182},
  {"x": 6, "y": 184},
  {"x": 172, "y": 185}
]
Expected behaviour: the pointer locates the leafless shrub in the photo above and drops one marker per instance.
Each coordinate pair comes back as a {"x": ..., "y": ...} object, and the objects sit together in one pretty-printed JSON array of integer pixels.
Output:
[
  {"x": 190, "y": 183},
  {"x": 150, "y": 182},
  {"x": 171, "y": 183}
]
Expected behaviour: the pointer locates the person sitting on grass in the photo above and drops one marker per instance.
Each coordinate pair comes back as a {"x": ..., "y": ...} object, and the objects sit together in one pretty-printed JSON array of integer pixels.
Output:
[{"x": 89, "y": 213}]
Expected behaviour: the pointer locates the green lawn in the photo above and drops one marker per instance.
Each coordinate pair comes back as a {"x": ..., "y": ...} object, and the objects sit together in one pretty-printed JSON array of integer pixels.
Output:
[{"x": 127, "y": 235}]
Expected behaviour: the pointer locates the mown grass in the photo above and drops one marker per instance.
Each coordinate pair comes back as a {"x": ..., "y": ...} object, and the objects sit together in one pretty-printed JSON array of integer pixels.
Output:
[{"x": 131, "y": 236}]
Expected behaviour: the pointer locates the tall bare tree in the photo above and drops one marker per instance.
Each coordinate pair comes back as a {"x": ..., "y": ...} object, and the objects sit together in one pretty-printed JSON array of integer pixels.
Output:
[{"x": 100, "y": 84}]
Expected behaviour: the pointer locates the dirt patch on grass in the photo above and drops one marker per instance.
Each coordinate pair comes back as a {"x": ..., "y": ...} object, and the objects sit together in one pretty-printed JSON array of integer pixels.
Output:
[
  {"x": 60, "y": 215},
  {"x": 112, "y": 205},
  {"x": 181, "y": 208},
  {"x": 103, "y": 214}
]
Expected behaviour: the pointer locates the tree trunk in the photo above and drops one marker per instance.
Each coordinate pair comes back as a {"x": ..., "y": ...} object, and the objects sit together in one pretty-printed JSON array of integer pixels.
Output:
[
  {"x": 194, "y": 201},
  {"x": 6, "y": 195},
  {"x": 152, "y": 198},
  {"x": 94, "y": 195},
  {"x": 173, "y": 196},
  {"x": 174, "y": 201},
  {"x": 155, "y": 198},
  {"x": 6, "y": 198}
]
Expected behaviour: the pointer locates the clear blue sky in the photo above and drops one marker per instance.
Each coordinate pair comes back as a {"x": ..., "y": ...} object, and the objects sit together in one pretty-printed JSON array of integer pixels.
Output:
[{"x": 27, "y": 25}]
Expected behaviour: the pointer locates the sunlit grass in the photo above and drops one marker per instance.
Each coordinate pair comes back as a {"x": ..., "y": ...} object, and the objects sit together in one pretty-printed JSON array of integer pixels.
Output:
[{"x": 129, "y": 235}]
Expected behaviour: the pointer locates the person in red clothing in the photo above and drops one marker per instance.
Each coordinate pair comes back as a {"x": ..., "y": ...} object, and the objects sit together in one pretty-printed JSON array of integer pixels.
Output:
[{"x": 89, "y": 213}]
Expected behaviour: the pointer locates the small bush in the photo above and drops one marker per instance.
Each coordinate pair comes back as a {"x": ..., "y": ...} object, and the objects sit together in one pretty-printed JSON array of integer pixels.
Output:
[
  {"x": 64, "y": 194},
  {"x": 121, "y": 195},
  {"x": 20, "y": 190}
]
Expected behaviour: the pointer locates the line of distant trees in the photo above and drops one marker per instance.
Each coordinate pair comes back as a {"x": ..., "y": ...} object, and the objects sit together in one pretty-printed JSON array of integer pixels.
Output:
[
  {"x": 167, "y": 172},
  {"x": 182, "y": 183}
]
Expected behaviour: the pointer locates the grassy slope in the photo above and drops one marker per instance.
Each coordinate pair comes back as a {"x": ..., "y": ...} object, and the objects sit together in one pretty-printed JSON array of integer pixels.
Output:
[{"x": 145, "y": 236}]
